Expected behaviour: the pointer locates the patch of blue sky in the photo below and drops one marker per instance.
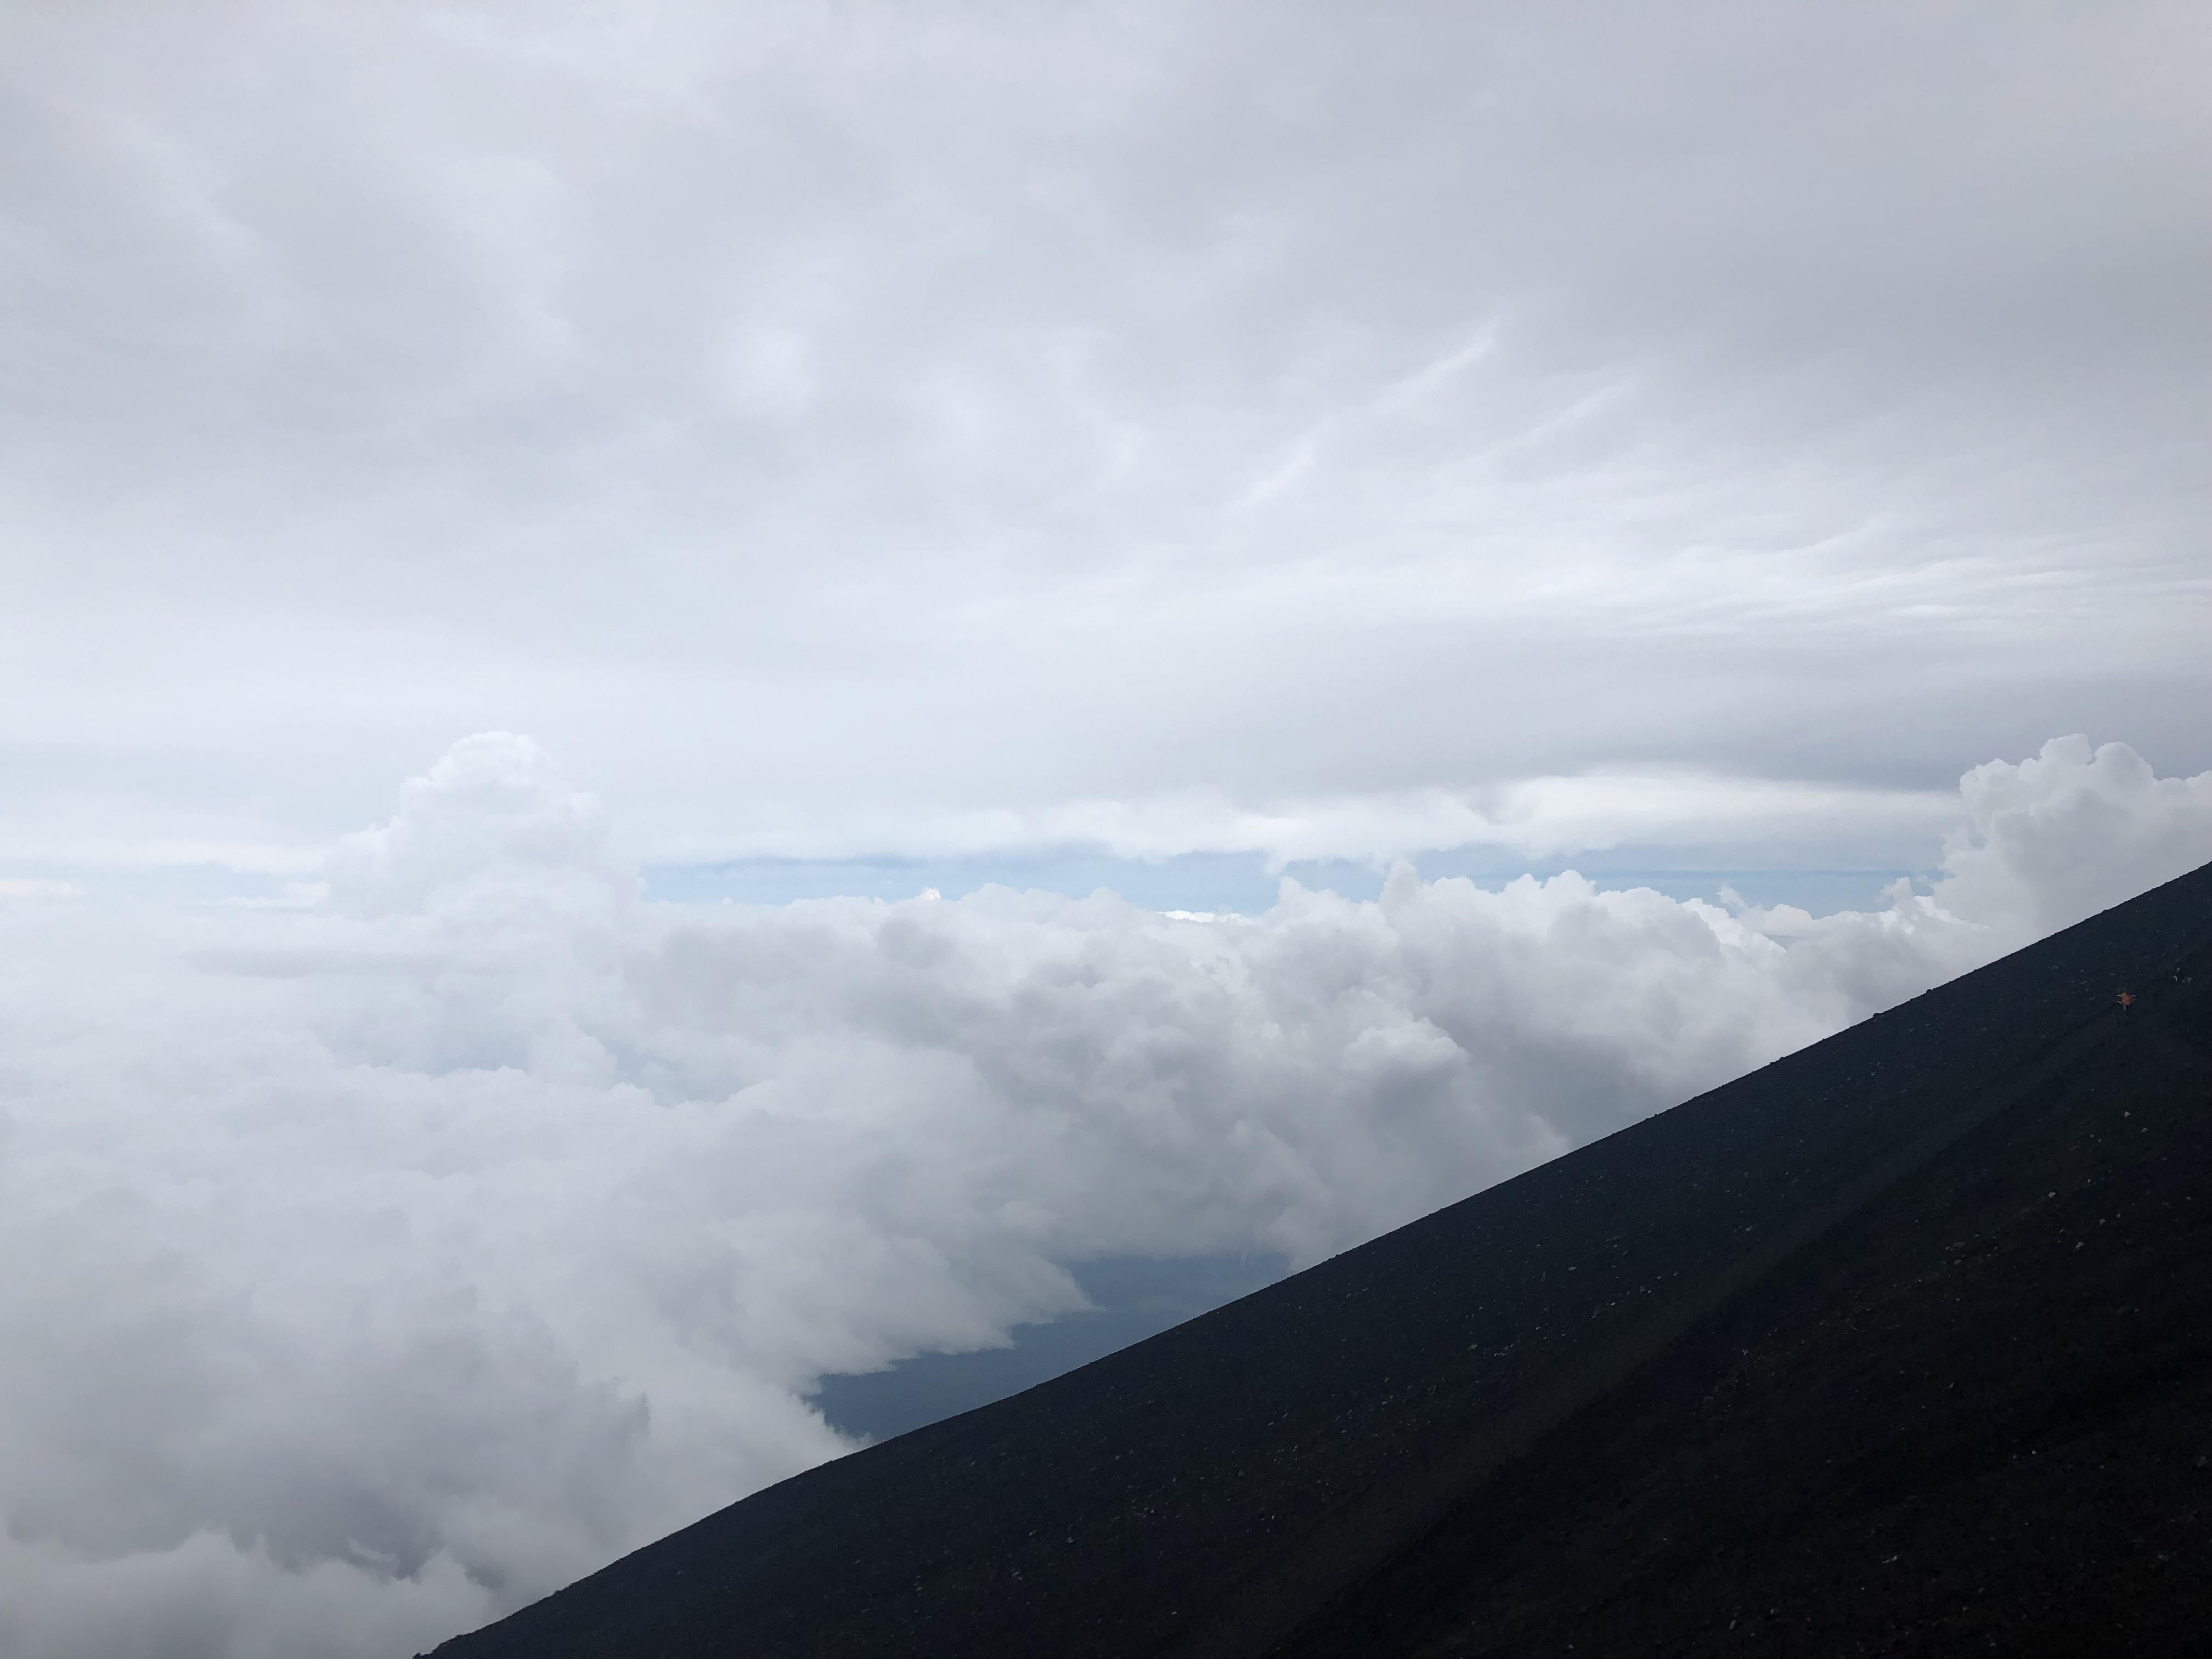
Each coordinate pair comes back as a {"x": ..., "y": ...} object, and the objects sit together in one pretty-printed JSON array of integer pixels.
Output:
[
  {"x": 1236, "y": 882},
  {"x": 1243, "y": 883}
]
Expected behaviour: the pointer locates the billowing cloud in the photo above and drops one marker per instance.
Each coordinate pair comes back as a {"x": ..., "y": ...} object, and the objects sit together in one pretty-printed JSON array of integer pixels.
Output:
[
  {"x": 369, "y": 1265},
  {"x": 2071, "y": 833}
]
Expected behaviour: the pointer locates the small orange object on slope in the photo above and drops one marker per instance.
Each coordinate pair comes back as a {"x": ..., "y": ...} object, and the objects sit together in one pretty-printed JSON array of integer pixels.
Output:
[{"x": 2127, "y": 1000}]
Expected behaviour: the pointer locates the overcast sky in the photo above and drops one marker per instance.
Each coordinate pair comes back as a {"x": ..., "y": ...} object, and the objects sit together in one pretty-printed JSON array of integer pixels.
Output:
[{"x": 918, "y": 430}]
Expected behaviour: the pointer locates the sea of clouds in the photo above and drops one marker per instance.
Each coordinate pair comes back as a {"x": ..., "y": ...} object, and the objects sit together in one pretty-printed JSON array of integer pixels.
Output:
[{"x": 371, "y": 1264}]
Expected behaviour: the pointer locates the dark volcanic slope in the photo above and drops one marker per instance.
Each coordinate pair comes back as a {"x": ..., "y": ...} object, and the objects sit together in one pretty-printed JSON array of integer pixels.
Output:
[{"x": 1903, "y": 1343}]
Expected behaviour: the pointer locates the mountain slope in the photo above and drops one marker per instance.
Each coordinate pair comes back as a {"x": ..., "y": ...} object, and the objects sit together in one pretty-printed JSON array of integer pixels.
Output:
[{"x": 1905, "y": 1337}]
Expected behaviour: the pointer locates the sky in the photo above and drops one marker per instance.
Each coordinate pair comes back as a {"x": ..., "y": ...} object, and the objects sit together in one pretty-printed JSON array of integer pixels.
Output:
[
  {"x": 695, "y": 697},
  {"x": 906, "y": 433}
]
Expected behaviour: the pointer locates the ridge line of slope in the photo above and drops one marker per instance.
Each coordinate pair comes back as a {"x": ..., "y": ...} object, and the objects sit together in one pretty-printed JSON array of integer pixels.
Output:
[
  {"x": 2089, "y": 1380},
  {"x": 1338, "y": 1555}
]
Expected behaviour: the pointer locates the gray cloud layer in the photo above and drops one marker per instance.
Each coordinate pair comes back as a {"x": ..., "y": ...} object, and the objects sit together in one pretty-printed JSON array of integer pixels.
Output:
[
  {"x": 833, "y": 426},
  {"x": 369, "y": 1268}
]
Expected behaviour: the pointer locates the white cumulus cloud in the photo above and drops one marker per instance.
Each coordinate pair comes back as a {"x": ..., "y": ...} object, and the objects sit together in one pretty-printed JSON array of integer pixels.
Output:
[{"x": 371, "y": 1266}]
